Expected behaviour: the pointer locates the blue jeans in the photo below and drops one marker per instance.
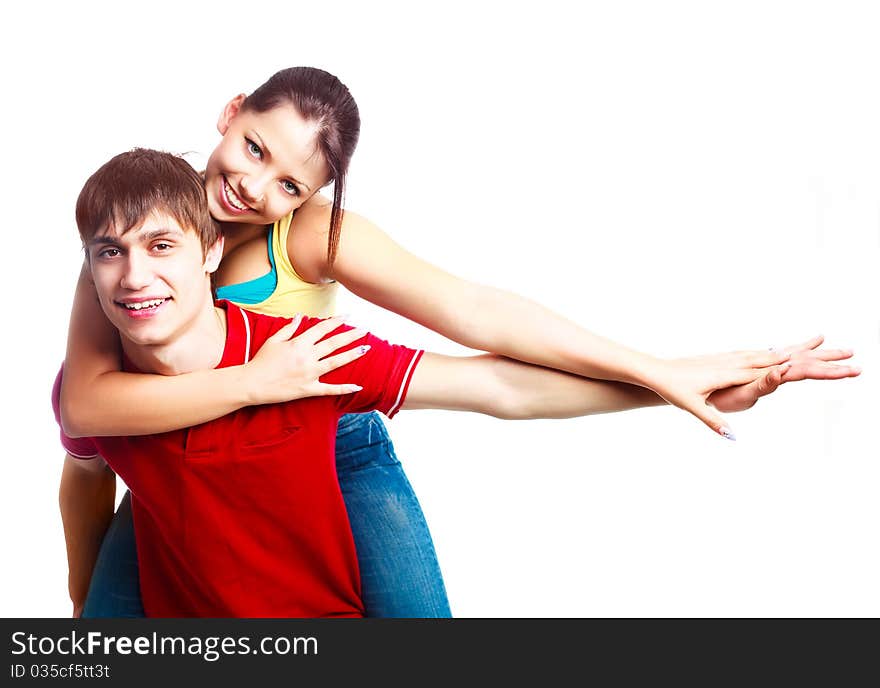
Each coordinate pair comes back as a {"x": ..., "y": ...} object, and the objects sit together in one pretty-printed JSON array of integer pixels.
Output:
[{"x": 400, "y": 576}]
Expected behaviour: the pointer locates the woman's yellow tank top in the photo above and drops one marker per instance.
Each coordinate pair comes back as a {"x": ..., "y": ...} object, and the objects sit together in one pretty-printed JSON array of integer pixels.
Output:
[{"x": 282, "y": 292}]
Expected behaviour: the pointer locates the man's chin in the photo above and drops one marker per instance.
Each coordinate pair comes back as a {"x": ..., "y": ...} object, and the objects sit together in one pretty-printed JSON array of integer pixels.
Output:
[
  {"x": 141, "y": 334},
  {"x": 147, "y": 342}
]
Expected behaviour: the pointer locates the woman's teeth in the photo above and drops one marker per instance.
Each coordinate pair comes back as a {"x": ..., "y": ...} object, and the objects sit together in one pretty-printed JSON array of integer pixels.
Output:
[
  {"x": 144, "y": 304},
  {"x": 233, "y": 198}
]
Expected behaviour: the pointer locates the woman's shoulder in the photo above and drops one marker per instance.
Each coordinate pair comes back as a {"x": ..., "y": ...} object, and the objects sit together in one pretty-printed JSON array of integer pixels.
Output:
[
  {"x": 314, "y": 216},
  {"x": 308, "y": 236}
]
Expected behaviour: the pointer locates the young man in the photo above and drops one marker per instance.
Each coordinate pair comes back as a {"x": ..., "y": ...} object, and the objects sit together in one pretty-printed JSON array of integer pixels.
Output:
[{"x": 242, "y": 516}]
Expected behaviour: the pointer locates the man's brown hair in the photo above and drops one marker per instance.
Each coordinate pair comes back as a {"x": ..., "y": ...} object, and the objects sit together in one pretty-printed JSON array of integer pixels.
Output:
[{"x": 130, "y": 186}]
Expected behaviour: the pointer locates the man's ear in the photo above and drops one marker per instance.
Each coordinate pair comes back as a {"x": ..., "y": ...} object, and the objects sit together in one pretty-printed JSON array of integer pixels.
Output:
[
  {"x": 233, "y": 107},
  {"x": 213, "y": 256},
  {"x": 85, "y": 273}
]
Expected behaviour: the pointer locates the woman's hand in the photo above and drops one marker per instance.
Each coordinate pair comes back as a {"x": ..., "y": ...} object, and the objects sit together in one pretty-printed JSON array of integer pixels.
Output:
[
  {"x": 735, "y": 381},
  {"x": 288, "y": 367}
]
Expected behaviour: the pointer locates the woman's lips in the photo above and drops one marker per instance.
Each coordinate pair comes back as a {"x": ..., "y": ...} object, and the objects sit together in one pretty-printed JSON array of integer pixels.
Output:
[{"x": 230, "y": 200}]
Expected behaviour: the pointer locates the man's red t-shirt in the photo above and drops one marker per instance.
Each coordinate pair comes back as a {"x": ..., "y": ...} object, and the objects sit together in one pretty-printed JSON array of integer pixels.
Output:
[{"x": 242, "y": 516}]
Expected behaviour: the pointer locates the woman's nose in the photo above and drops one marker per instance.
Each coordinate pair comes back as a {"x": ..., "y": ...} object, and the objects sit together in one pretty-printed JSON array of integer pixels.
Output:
[{"x": 253, "y": 189}]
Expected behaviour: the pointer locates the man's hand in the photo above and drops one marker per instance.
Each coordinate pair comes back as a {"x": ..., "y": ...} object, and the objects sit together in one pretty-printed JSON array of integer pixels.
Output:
[
  {"x": 734, "y": 381},
  {"x": 807, "y": 362}
]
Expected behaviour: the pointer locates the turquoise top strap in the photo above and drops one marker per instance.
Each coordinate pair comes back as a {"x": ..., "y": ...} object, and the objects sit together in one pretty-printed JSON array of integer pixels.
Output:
[{"x": 255, "y": 290}]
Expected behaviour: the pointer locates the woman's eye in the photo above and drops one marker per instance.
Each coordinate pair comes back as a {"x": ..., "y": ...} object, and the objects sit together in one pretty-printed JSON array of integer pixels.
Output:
[
  {"x": 290, "y": 188},
  {"x": 254, "y": 149}
]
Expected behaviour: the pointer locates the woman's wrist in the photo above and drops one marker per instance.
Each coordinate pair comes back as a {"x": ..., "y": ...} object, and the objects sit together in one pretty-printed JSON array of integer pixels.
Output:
[
  {"x": 641, "y": 369},
  {"x": 247, "y": 384}
]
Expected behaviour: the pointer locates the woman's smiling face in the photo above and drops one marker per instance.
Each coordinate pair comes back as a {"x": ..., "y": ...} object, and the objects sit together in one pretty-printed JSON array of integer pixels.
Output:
[{"x": 267, "y": 164}]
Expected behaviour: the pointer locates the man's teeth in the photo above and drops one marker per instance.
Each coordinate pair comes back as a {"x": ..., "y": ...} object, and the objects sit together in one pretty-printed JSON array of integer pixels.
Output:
[
  {"x": 233, "y": 198},
  {"x": 143, "y": 304}
]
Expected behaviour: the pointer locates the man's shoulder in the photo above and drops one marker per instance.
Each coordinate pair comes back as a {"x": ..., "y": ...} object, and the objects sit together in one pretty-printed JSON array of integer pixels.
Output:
[
  {"x": 260, "y": 322},
  {"x": 258, "y": 327}
]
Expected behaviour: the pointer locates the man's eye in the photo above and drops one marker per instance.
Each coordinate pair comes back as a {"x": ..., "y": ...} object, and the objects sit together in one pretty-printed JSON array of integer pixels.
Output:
[
  {"x": 290, "y": 188},
  {"x": 109, "y": 253},
  {"x": 162, "y": 247},
  {"x": 254, "y": 149}
]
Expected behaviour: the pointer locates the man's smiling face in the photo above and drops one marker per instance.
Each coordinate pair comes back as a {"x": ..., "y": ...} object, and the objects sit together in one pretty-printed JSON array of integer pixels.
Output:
[{"x": 153, "y": 280}]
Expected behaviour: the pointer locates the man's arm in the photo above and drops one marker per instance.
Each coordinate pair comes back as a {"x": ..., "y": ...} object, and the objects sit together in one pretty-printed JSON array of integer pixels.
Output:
[
  {"x": 86, "y": 497},
  {"x": 512, "y": 390},
  {"x": 509, "y": 389}
]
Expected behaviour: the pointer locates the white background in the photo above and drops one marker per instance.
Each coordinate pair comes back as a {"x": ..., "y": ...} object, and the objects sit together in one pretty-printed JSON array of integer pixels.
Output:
[{"x": 681, "y": 177}]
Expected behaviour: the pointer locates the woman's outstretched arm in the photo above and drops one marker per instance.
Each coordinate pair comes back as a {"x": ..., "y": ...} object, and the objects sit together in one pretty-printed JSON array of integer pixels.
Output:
[
  {"x": 97, "y": 399},
  {"x": 374, "y": 267}
]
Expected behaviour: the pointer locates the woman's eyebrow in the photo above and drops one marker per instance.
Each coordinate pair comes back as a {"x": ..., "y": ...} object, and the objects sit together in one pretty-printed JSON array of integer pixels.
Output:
[{"x": 266, "y": 149}]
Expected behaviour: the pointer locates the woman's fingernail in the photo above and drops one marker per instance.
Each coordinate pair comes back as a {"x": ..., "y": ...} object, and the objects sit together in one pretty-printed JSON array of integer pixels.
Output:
[
  {"x": 355, "y": 388},
  {"x": 364, "y": 348},
  {"x": 727, "y": 434}
]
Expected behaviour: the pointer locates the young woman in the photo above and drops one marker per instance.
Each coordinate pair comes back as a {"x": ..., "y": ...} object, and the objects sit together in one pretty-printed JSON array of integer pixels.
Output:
[{"x": 287, "y": 248}]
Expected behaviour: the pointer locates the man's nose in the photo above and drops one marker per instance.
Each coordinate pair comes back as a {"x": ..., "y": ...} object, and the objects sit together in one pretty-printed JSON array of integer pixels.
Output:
[{"x": 137, "y": 273}]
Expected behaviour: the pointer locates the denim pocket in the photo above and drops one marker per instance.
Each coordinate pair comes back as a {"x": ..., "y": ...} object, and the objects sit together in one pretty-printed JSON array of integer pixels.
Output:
[{"x": 362, "y": 442}]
